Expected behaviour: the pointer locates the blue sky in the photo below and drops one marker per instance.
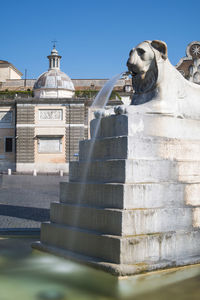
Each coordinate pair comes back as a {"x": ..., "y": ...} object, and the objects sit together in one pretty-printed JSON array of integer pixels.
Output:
[{"x": 94, "y": 36}]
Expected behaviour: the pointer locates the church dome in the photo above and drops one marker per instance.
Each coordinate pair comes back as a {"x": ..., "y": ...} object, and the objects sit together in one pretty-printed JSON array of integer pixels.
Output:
[{"x": 54, "y": 83}]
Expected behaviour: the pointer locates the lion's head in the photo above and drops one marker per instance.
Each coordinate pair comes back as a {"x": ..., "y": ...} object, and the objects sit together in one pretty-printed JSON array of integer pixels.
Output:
[{"x": 143, "y": 65}]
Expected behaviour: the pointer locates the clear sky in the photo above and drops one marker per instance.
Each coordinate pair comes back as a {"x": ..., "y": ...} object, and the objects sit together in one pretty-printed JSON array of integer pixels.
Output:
[{"x": 94, "y": 36}]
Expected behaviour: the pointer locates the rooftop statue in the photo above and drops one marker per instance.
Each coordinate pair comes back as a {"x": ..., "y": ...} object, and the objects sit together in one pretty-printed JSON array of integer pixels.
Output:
[{"x": 159, "y": 87}]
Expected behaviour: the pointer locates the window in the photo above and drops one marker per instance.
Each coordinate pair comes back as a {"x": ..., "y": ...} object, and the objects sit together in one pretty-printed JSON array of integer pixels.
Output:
[
  {"x": 8, "y": 145},
  {"x": 49, "y": 145},
  {"x": 5, "y": 116}
]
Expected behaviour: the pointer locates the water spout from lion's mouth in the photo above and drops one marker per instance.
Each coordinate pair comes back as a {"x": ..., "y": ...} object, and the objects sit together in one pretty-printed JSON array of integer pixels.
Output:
[
  {"x": 135, "y": 74},
  {"x": 125, "y": 74},
  {"x": 131, "y": 71}
]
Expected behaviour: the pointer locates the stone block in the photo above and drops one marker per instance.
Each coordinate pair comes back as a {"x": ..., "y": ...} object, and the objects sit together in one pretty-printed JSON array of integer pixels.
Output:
[
  {"x": 147, "y": 249},
  {"x": 136, "y": 124},
  {"x": 192, "y": 192},
  {"x": 122, "y": 222},
  {"x": 82, "y": 241},
  {"x": 96, "y": 194},
  {"x": 135, "y": 171},
  {"x": 128, "y": 196},
  {"x": 108, "y": 221},
  {"x": 171, "y": 246},
  {"x": 115, "y": 148},
  {"x": 196, "y": 217},
  {"x": 124, "y": 147},
  {"x": 129, "y": 171}
]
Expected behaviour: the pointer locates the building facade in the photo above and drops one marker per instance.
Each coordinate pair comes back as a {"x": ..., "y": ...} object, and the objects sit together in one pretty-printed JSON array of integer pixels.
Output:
[
  {"x": 8, "y": 71},
  {"x": 7, "y": 135},
  {"x": 48, "y": 134},
  {"x": 42, "y": 134}
]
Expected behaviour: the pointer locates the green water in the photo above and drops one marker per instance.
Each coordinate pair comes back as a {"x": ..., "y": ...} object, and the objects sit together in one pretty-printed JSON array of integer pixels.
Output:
[{"x": 32, "y": 275}]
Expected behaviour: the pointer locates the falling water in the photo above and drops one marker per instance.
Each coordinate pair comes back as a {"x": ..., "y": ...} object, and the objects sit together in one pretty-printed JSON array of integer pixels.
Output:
[
  {"x": 104, "y": 94},
  {"x": 100, "y": 102}
]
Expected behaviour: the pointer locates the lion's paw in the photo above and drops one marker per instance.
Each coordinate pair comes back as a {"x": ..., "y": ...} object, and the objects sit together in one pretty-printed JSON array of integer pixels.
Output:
[
  {"x": 120, "y": 110},
  {"x": 103, "y": 113}
]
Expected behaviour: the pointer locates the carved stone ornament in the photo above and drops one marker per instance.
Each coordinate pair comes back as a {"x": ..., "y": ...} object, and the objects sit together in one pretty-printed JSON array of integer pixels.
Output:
[{"x": 50, "y": 114}]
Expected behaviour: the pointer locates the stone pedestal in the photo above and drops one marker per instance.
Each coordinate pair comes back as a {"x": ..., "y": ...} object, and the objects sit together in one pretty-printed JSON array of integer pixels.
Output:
[{"x": 139, "y": 209}]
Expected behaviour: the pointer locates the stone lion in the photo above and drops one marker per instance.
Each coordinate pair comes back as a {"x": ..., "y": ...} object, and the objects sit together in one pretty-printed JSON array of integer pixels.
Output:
[{"x": 159, "y": 87}]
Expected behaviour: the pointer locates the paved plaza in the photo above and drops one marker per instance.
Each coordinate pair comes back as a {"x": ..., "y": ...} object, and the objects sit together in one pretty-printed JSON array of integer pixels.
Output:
[{"x": 25, "y": 201}]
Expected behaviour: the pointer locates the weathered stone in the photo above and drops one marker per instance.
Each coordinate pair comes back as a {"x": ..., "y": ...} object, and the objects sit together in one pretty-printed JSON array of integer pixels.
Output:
[
  {"x": 122, "y": 222},
  {"x": 147, "y": 249},
  {"x": 136, "y": 171},
  {"x": 130, "y": 196},
  {"x": 145, "y": 125},
  {"x": 81, "y": 241},
  {"x": 125, "y": 147}
]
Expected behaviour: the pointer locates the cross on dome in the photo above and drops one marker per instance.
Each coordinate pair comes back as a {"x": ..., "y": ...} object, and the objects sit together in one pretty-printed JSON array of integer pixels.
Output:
[{"x": 54, "y": 43}]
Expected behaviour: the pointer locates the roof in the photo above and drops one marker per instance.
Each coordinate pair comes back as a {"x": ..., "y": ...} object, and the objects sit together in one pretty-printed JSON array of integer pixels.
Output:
[
  {"x": 54, "y": 79},
  {"x": 4, "y": 62},
  {"x": 10, "y": 65}
]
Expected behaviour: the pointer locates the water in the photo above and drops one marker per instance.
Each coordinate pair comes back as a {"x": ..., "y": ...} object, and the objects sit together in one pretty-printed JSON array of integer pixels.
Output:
[
  {"x": 34, "y": 275},
  {"x": 104, "y": 94},
  {"x": 100, "y": 102}
]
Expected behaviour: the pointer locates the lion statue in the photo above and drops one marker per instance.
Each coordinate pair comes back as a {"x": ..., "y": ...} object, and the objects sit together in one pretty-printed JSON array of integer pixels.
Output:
[{"x": 158, "y": 86}]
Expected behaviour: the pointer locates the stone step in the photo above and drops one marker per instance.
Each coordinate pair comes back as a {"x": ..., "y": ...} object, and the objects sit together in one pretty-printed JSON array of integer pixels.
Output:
[
  {"x": 152, "y": 248},
  {"x": 122, "y": 222},
  {"x": 140, "y": 124},
  {"x": 135, "y": 171},
  {"x": 81, "y": 241},
  {"x": 127, "y": 196},
  {"x": 112, "y": 268},
  {"x": 124, "y": 147},
  {"x": 172, "y": 246}
]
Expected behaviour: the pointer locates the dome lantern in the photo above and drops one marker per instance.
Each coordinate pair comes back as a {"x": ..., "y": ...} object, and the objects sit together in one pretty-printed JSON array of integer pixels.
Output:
[{"x": 54, "y": 59}]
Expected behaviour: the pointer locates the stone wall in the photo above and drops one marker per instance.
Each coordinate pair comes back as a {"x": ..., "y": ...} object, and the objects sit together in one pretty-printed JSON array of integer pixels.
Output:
[
  {"x": 62, "y": 119},
  {"x": 7, "y": 130},
  {"x": 17, "y": 84},
  {"x": 79, "y": 84},
  {"x": 25, "y": 134},
  {"x": 75, "y": 119}
]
